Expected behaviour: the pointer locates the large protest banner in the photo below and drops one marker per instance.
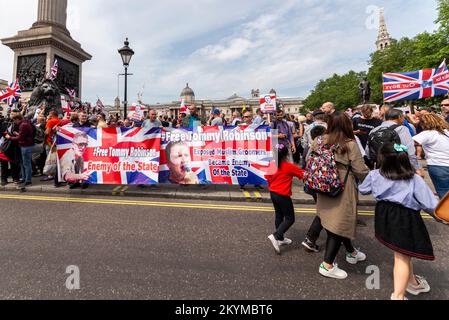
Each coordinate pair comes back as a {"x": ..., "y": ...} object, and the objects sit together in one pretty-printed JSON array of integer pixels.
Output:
[
  {"x": 216, "y": 155},
  {"x": 108, "y": 156}
]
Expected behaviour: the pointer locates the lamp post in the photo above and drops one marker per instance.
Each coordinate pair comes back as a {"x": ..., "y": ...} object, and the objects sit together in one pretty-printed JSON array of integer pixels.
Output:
[{"x": 126, "y": 53}]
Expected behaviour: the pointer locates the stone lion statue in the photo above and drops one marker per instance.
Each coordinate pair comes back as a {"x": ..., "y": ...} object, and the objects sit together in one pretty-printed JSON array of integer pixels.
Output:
[{"x": 46, "y": 95}]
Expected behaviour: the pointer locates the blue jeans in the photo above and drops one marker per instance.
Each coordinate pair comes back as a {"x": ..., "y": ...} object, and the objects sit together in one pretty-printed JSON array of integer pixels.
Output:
[
  {"x": 27, "y": 167},
  {"x": 440, "y": 179}
]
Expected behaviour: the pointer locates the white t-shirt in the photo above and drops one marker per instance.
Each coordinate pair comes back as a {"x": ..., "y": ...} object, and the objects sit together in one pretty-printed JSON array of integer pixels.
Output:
[{"x": 436, "y": 147}]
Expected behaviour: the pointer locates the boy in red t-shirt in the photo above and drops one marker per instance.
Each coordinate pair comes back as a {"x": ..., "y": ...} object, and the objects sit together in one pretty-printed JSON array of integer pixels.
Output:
[{"x": 280, "y": 185}]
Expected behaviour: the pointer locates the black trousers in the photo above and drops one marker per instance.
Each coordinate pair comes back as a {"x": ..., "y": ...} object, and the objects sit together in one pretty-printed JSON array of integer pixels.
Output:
[
  {"x": 315, "y": 230},
  {"x": 6, "y": 171},
  {"x": 333, "y": 245},
  {"x": 285, "y": 214}
]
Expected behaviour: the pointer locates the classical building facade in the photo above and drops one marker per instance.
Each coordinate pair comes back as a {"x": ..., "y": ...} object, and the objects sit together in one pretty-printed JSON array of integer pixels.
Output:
[{"x": 226, "y": 106}]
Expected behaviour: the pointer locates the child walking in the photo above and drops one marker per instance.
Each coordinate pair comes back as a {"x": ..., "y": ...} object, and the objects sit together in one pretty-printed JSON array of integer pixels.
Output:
[
  {"x": 401, "y": 195},
  {"x": 280, "y": 185}
]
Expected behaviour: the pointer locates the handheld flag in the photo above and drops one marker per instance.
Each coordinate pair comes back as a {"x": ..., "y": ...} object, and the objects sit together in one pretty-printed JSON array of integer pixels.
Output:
[
  {"x": 416, "y": 84},
  {"x": 54, "y": 70},
  {"x": 11, "y": 94}
]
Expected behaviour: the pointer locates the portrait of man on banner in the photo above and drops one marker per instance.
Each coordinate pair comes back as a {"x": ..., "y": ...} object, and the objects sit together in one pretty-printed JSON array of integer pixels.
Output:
[
  {"x": 72, "y": 163},
  {"x": 179, "y": 164}
]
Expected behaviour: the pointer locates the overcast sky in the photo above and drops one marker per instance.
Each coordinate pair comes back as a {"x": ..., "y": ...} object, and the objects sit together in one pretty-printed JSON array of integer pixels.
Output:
[{"x": 221, "y": 47}]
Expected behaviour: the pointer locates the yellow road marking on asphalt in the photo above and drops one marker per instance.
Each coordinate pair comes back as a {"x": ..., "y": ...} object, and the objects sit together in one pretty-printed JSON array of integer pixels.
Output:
[
  {"x": 258, "y": 196},
  {"x": 167, "y": 204},
  {"x": 247, "y": 195}
]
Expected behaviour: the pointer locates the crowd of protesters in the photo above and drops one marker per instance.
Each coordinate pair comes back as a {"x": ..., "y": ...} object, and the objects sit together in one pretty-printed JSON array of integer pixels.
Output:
[{"x": 391, "y": 172}]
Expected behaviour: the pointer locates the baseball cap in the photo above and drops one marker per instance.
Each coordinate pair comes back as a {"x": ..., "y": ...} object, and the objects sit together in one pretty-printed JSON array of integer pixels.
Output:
[{"x": 216, "y": 111}]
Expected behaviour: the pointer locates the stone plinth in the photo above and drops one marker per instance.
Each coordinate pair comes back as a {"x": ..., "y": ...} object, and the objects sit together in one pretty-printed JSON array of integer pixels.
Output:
[{"x": 36, "y": 49}]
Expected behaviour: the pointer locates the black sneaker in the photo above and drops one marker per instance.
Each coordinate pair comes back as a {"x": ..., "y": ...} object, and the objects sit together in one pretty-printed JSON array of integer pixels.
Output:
[{"x": 310, "y": 246}]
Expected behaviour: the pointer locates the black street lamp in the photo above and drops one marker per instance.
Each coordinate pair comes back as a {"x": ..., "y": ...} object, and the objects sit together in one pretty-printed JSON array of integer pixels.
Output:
[{"x": 126, "y": 53}]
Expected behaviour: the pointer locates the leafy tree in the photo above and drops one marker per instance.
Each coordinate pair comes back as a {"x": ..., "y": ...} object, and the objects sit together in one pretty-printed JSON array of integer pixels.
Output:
[
  {"x": 425, "y": 50},
  {"x": 341, "y": 90}
]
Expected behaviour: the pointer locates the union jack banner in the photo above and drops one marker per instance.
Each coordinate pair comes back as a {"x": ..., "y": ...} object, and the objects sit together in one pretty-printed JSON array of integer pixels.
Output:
[
  {"x": 115, "y": 156},
  {"x": 11, "y": 94},
  {"x": 54, "y": 70},
  {"x": 216, "y": 155},
  {"x": 416, "y": 84}
]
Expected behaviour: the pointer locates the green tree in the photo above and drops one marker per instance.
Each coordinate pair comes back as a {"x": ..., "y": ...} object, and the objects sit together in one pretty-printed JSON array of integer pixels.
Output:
[
  {"x": 341, "y": 90},
  {"x": 425, "y": 50}
]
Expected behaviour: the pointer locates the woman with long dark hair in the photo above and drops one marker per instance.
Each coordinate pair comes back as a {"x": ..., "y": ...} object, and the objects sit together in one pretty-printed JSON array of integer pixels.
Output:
[{"x": 339, "y": 214}]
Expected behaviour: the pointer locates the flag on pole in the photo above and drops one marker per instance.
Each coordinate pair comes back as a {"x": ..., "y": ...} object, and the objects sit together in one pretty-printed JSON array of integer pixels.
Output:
[
  {"x": 72, "y": 93},
  {"x": 416, "y": 84},
  {"x": 100, "y": 105},
  {"x": 54, "y": 70},
  {"x": 183, "y": 109},
  {"x": 66, "y": 107},
  {"x": 11, "y": 94}
]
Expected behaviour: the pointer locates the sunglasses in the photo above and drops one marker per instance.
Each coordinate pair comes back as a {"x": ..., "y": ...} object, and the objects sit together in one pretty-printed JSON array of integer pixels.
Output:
[{"x": 445, "y": 105}]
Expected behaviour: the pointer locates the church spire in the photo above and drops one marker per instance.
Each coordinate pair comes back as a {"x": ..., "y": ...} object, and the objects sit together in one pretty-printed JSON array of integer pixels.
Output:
[{"x": 383, "y": 39}]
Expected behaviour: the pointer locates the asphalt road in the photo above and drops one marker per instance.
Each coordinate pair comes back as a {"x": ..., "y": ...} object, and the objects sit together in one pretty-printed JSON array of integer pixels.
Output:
[{"x": 136, "y": 249}]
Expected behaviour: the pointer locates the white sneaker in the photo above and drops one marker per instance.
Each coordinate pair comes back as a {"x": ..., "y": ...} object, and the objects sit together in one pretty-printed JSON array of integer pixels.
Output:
[
  {"x": 275, "y": 244},
  {"x": 393, "y": 298},
  {"x": 335, "y": 272},
  {"x": 423, "y": 286},
  {"x": 286, "y": 242},
  {"x": 358, "y": 258}
]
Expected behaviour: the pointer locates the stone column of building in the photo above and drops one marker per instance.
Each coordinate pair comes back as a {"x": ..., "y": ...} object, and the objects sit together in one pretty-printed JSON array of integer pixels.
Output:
[{"x": 52, "y": 12}]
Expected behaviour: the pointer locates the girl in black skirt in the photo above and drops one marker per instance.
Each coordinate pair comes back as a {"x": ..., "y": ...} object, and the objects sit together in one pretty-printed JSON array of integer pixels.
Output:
[{"x": 401, "y": 195}]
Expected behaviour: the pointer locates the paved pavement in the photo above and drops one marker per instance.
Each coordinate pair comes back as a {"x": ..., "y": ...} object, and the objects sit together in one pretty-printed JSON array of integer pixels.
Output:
[
  {"x": 165, "y": 249},
  {"x": 176, "y": 192}
]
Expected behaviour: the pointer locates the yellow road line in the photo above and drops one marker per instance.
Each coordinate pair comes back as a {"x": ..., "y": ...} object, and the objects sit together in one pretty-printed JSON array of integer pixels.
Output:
[
  {"x": 247, "y": 195},
  {"x": 267, "y": 208},
  {"x": 258, "y": 196}
]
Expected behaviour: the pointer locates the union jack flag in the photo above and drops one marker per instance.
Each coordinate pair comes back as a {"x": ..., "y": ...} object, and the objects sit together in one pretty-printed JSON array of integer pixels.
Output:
[
  {"x": 100, "y": 104},
  {"x": 11, "y": 94},
  {"x": 72, "y": 93},
  {"x": 233, "y": 162},
  {"x": 54, "y": 70},
  {"x": 117, "y": 156},
  {"x": 416, "y": 84}
]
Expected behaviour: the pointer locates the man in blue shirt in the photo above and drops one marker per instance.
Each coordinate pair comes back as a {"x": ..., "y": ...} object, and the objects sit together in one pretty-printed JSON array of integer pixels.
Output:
[{"x": 284, "y": 135}]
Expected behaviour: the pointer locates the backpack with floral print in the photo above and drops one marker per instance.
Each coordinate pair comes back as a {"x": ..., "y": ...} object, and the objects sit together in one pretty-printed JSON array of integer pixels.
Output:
[{"x": 322, "y": 174}]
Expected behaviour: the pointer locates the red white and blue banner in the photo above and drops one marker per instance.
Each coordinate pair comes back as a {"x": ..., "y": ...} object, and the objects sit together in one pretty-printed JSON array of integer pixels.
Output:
[
  {"x": 216, "y": 155},
  {"x": 416, "y": 85},
  {"x": 119, "y": 156}
]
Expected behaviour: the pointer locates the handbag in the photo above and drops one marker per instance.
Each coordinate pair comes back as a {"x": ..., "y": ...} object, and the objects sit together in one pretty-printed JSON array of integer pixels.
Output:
[
  {"x": 442, "y": 210},
  {"x": 51, "y": 163}
]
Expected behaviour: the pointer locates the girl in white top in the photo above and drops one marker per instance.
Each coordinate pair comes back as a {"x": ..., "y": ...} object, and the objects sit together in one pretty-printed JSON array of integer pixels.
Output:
[{"x": 435, "y": 142}]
